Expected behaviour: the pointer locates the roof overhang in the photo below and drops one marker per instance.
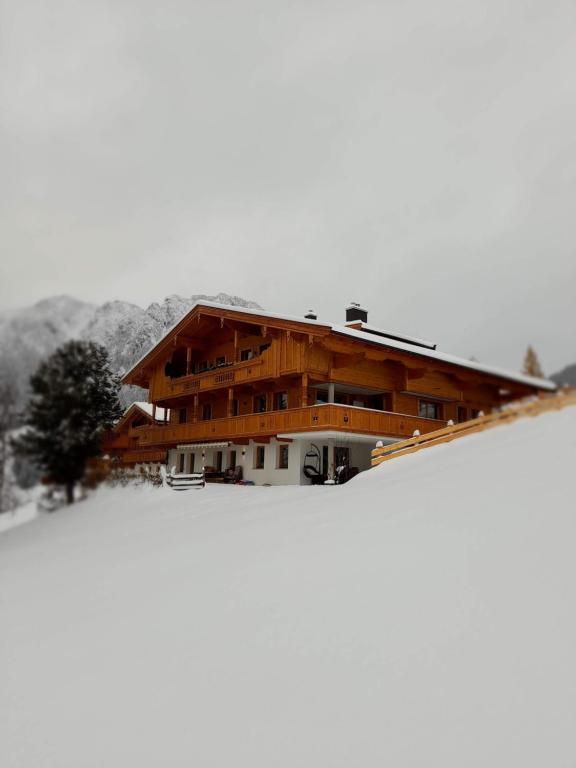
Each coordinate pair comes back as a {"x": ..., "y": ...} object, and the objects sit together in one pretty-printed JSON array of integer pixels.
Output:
[
  {"x": 194, "y": 446},
  {"x": 341, "y": 436}
]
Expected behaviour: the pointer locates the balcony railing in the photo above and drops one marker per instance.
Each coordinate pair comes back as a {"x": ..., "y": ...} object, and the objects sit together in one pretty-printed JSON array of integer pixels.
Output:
[
  {"x": 314, "y": 418},
  {"x": 143, "y": 456},
  {"x": 223, "y": 376}
]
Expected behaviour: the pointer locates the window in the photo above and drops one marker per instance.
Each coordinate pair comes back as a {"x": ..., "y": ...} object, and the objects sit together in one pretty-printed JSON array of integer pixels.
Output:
[
  {"x": 259, "y": 457},
  {"x": 192, "y": 457},
  {"x": 182, "y": 416},
  {"x": 246, "y": 354},
  {"x": 218, "y": 461},
  {"x": 462, "y": 414},
  {"x": 231, "y": 459},
  {"x": 260, "y": 404},
  {"x": 206, "y": 411},
  {"x": 282, "y": 457},
  {"x": 234, "y": 407},
  {"x": 181, "y": 460},
  {"x": 281, "y": 401},
  {"x": 429, "y": 410},
  {"x": 203, "y": 366}
]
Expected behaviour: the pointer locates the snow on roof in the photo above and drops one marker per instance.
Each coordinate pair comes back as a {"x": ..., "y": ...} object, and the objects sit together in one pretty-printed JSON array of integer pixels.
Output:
[
  {"x": 530, "y": 381},
  {"x": 147, "y": 408},
  {"x": 370, "y": 336},
  {"x": 391, "y": 335}
]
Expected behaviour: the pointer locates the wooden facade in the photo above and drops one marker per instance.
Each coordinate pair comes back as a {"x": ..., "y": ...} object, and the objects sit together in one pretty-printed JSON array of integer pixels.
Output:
[
  {"x": 124, "y": 441},
  {"x": 225, "y": 373}
]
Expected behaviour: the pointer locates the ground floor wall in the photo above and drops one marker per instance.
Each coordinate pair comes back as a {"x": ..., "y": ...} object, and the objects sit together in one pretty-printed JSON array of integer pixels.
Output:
[{"x": 272, "y": 456}]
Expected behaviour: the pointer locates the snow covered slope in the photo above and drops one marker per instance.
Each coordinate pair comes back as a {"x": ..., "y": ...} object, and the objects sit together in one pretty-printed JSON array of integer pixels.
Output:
[{"x": 422, "y": 615}]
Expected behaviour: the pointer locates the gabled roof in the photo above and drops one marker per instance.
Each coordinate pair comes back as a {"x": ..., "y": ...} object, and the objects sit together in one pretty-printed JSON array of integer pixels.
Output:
[
  {"x": 141, "y": 409},
  {"x": 370, "y": 335}
]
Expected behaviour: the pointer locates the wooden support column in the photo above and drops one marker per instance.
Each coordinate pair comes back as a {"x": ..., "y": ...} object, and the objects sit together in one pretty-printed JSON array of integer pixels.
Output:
[
  {"x": 230, "y": 401},
  {"x": 188, "y": 360},
  {"x": 304, "y": 390},
  {"x": 195, "y": 409}
]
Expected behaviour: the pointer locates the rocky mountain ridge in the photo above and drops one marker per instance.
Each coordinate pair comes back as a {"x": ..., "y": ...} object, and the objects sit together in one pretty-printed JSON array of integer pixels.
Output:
[{"x": 126, "y": 330}]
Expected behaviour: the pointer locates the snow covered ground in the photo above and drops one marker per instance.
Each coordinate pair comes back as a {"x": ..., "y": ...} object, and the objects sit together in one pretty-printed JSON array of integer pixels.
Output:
[
  {"x": 22, "y": 514},
  {"x": 423, "y": 615}
]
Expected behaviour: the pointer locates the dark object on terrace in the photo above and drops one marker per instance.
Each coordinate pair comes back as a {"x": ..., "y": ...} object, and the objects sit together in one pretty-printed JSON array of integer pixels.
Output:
[
  {"x": 344, "y": 473},
  {"x": 233, "y": 474},
  {"x": 311, "y": 468}
]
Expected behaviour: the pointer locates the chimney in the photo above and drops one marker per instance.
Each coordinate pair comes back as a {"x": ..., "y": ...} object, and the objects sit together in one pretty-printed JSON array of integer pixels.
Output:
[
  {"x": 311, "y": 315},
  {"x": 355, "y": 313}
]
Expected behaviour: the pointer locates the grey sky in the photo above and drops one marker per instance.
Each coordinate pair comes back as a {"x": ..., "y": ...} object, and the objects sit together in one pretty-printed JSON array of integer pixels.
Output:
[{"x": 417, "y": 157}]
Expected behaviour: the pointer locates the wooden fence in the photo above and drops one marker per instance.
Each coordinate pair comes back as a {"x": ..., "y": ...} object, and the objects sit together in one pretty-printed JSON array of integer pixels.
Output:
[{"x": 533, "y": 407}]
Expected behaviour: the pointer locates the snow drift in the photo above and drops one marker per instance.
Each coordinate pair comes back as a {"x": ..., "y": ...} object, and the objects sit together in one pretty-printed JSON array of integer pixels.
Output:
[{"x": 422, "y": 615}]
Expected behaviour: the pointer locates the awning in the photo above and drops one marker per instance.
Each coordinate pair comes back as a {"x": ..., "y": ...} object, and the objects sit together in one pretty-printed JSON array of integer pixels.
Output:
[{"x": 194, "y": 446}]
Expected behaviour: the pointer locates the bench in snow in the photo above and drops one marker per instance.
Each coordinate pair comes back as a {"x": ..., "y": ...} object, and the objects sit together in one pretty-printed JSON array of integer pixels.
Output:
[{"x": 181, "y": 482}]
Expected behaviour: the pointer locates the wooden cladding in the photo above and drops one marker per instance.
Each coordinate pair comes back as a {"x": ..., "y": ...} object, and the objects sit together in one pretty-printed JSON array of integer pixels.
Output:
[
  {"x": 310, "y": 419},
  {"x": 143, "y": 456}
]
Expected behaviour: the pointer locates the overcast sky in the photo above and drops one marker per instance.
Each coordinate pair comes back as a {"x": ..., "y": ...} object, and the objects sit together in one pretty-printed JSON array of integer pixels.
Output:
[{"x": 418, "y": 157}]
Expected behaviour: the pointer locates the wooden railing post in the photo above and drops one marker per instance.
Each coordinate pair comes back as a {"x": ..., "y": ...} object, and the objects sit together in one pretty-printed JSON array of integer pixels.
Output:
[
  {"x": 195, "y": 409},
  {"x": 304, "y": 390}
]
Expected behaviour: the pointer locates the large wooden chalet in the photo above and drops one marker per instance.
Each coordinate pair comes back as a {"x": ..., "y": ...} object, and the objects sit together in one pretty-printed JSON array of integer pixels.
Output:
[{"x": 290, "y": 399}]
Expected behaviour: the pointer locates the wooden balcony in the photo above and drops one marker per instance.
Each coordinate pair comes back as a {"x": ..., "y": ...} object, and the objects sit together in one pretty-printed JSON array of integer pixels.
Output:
[
  {"x": 311, "y": 419},
  {"x": 226, "y": 376},
  {"x": 142, "y": 456}
]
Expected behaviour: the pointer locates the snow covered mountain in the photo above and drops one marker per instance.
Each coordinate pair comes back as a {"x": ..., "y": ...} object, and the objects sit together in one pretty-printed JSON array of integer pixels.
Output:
[{"x": 126, "y": 330}]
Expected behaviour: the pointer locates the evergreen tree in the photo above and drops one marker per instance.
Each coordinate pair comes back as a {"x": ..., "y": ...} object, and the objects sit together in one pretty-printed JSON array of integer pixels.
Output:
[
  {"x": 532, "y": 364},
  {"x": 74, "y": 401}
]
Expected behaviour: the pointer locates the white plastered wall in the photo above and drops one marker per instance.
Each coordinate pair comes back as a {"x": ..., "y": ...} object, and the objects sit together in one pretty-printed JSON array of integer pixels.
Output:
[{"x": 271, "y": 474}]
